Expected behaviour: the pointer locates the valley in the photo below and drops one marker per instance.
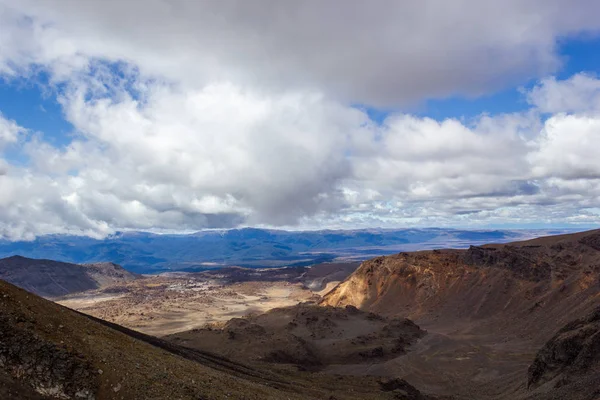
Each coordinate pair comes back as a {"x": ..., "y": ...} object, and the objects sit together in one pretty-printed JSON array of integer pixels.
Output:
[
  {"x": 159, "y": 306},
  {"x": 497, "y": 321},
  {"x": 174, "y": 302},
  {"x": 51, "y": 352}
]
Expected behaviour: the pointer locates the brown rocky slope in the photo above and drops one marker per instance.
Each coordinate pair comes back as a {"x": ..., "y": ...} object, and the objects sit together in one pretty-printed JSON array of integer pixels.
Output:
[
  {"x": 487, "y": 309},
  {"x": 307, "y": 336},
  {"x": 557, "y": 275}
]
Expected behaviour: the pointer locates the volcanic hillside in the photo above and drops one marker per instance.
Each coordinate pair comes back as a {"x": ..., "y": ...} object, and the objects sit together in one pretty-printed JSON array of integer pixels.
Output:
[
  {"x": 49, "y": 351},
  {"x": 487, "y": 309},
  {"x": 49, "y": 278},
  {"x": 543, "y": 282}
]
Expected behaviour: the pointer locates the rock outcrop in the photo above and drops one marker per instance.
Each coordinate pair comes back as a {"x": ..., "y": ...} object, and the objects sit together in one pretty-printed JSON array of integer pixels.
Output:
[
  {"x": 308, "y": 336},
  {"x": 572, "y": 353}
]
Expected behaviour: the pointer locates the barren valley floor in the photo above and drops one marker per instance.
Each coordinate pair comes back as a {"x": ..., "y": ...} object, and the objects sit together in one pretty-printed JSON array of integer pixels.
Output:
[{"x": 164, "y": 304}]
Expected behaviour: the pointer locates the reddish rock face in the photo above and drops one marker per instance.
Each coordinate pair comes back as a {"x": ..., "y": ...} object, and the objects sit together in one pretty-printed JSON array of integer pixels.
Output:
[{"x": 507, "y": 281}]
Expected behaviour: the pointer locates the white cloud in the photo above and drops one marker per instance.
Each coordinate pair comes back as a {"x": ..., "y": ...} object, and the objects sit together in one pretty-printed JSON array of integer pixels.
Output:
[
  {"x": 184, "y": 159},
  {"x": 423, "y": 158},
  {"x": 234, "y": 114},
  {"x": 578, "y": 94},
  {"x": 187, "y": 159},
  {"x": 568, "y": 148},
  {"x": 10, "y": 132},
  {"x": 278, "y": 156}
]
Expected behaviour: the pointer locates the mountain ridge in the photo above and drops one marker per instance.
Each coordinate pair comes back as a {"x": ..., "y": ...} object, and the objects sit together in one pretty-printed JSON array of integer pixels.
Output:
[{"x": 49, "y": 278}]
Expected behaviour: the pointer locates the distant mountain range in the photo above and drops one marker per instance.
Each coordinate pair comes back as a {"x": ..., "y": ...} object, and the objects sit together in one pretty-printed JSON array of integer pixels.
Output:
[{"x": 145, "y": 252}]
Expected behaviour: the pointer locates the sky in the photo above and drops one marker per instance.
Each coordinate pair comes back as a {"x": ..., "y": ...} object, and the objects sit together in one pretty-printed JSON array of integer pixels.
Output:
[{"x": 173, "y": 115}]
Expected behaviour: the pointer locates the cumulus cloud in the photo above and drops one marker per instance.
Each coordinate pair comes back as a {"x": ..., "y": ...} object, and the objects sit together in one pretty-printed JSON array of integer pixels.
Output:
[
  {"x": 220, "y": 114},
  {"x": 381, "y": 53},
  {"x": 216, "y": 150},
  {"x": 180, "y": 159},
  {"x": 578, "y": 94},
  {"x": 568, "y": 148},
  {"x": 10, "y": 132},
  {"x": 185, "y": 159}
]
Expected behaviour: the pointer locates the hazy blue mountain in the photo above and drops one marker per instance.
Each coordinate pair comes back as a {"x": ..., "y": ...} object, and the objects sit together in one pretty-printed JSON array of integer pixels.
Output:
[{"x": 148, "y": 252}]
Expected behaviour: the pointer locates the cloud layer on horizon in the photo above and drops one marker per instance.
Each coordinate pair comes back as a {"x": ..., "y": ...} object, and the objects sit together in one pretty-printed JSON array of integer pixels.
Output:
[{"x": 228, "y": 116}]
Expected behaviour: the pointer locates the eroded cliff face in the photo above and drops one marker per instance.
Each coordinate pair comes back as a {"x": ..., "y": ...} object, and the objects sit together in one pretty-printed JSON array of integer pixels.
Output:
[
  {"x": 526, "y": 285},
  {"x": 427, "y": 284},
  {"x": 390, "y": 284}
]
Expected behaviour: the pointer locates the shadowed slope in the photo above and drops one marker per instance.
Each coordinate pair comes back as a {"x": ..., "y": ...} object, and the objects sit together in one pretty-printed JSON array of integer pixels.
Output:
[{"x": 570, "y": 360}]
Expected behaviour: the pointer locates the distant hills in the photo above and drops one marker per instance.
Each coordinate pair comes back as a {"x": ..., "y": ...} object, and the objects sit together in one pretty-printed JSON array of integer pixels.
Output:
[
  {"x": 50, "y": 278},
  {"x": 145, "y": 252}
]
